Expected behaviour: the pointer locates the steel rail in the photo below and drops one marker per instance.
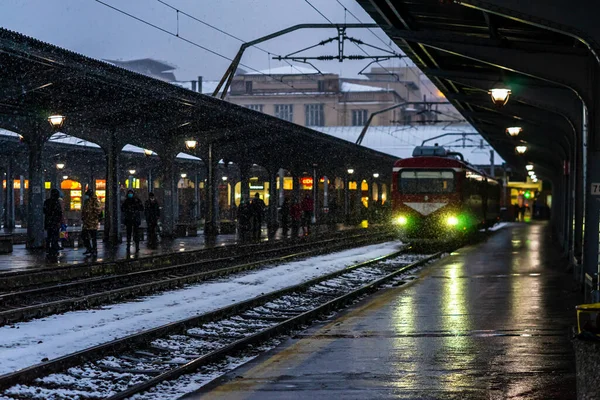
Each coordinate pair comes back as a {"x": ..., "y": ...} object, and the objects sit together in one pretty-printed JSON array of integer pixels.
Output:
[
  {"x": 154, "y": 280},
  {"x": 278, "y": 329},
  {"x": 24, "y": 278},
  {"x": 144, "y": 338}
]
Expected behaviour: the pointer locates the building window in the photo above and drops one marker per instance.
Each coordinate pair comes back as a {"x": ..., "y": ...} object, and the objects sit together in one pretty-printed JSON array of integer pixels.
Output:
[
  {"x": 284, "y": 111},
  {"x": 315, "y": 115},
  {"x": 255, "y": 107},
  {"x": 248, "y": 87},
  {"x": 359, "y": 117}
]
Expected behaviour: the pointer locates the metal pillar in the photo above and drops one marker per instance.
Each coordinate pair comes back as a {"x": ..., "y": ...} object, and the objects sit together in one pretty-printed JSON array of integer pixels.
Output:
[
  {"x": 35, "y": 213},
  {"x": 245, "y": 181},
  {"x": 325, "y": 192},
  {"x": 592, "y": 205},
  {"x": 315, "y": 195},
  {"x": 112, "y": 222},
  {"x": 281, "y": 190},
  {"x": 197, "y": 196},
  {"x": 346, "y": 200},
  {"x": 169, "y": 195},
  {"x": 22, "y": 199},
  {"x": 296, "y": 186},
  {"x": 272, "y": 224},
  {"x": 9, "y": 202},
  {"x": 358, "y": 205},
  {"x": 150, "y": 181},
  {"x": 210, "y": 226}
]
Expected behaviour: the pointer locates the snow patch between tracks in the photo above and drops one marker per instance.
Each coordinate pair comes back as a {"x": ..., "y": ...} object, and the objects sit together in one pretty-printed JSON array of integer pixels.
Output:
[{"x": 25, "y": 344}]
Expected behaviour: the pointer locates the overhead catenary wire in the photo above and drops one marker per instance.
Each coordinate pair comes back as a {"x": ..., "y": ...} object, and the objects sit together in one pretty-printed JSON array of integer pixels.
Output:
[
  {"x": 391, "y": 48},
  {"x": 208, "y": 49},
  {"x": 360, "y": 48}
]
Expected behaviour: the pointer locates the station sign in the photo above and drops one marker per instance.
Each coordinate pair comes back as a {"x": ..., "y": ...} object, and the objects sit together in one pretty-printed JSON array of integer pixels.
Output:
[
  {"x": 307, "y": 182},
  {"x": 595, "y": 189}
]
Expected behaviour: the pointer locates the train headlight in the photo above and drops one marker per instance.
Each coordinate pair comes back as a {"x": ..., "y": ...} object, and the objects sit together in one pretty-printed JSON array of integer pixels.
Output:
[
  {"x": 401, "y": 220},
  {"x": 452, "y": 221}
]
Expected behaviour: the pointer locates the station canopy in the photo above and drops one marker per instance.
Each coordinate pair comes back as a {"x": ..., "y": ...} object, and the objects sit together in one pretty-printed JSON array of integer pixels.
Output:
[
  {"x": 101, "y": 101},
  {"x": 464, "y": 50}
]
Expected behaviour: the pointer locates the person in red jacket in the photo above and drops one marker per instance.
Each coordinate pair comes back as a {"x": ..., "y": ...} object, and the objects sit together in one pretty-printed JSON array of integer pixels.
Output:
[
  {"x": 296, "y": 215},
  {"x": 307, "y": 213}
]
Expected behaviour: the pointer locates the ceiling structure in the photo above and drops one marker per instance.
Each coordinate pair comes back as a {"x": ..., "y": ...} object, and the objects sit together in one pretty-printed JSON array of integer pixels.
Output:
[
  {"x": 100, "y": 100},
  {"x": 446, "y": 39}
]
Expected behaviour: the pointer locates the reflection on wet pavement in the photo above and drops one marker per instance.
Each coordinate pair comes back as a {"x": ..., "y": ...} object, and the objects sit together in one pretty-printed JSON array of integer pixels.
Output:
[{"x": 488, "y": 322}]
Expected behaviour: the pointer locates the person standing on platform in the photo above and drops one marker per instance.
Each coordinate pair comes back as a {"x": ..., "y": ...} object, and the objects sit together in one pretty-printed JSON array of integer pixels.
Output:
[
  {"x": 257, "y": 207},
  {"x": 53, "y": 217},
  {"x": 296, "y": 216},
  {"x": 307, "y": 213},
  {"x": 285, "y": 217},
  {"x": 152, "y": 210},
  {"x": 90, "y": 216},
  {"x": 132, "y": 209},
  {"x": 244, "y": 220}
]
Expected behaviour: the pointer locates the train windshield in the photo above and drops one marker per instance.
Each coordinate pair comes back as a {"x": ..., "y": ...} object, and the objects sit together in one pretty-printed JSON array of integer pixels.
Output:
[{"x": 426, "y": 181}]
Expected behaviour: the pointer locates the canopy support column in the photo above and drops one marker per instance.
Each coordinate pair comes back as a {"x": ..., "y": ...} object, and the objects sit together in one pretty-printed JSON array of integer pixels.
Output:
[
  {"x": 112, "y": 223},
  {"x": 212, "y": 205},
  {"x": 35, "y": 213},
  {"x": 272, "y": 224},
  {"x": 9, "y": 201},
  {"x": 169, "y": 191}
]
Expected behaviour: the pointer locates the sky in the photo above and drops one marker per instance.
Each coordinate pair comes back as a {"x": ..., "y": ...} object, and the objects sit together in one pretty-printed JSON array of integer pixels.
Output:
[{"x": 95, "y": 30}]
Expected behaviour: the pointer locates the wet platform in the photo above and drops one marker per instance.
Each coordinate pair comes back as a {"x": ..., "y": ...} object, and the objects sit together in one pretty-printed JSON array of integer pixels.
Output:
[
  {"x": 22, "y": 259},
  {"x": 491, "y": 321}
]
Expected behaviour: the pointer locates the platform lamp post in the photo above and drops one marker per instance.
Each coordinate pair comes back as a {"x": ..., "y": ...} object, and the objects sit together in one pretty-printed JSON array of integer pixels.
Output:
[
  {"x": 147, "y": 154},
  {"x": 59, "y": 167},
  {"x": 350, "y": 171},
  {"x": 131, "y": 178}
]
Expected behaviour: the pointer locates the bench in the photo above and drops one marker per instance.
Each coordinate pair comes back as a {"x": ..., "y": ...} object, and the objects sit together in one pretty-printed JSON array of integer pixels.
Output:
[{"x": 6, "y": 244}]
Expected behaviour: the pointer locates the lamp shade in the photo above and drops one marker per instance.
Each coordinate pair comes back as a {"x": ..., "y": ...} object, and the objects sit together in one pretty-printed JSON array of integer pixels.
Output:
[{"x": 499, "y": 96}]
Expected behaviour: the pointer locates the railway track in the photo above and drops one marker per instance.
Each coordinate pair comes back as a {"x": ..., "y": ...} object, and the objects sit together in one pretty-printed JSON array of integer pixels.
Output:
[
  {"x": 145, "y": 362},
  {"x": 54, "y": 274},
  {"x": 48, "y": 299}
]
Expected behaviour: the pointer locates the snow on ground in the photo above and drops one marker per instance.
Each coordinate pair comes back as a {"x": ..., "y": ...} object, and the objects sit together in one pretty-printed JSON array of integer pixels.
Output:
[{"x": 27, "y": 343}]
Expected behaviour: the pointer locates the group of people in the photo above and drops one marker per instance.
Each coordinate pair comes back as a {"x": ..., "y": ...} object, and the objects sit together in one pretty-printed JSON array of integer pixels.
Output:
[
  {"x": 250, "y": 217},
  {"x": 131, "y": 212},
  {"x": 294, "y": 214},
  {"x": 91, "y": 215},
  {"x": 300, "y": 214}
]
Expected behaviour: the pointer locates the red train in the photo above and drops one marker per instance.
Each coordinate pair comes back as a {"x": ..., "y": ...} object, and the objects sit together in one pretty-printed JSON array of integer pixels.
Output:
[{"x": 436, "y": 195}]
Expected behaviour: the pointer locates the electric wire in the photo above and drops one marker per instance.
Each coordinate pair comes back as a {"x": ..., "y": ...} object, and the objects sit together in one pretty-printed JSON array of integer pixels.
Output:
[
  {"x": 207, "y": 49},
  {"x": 317, "y": 10},
  {"x": 377, "y": 36},
  {"x": 361, "y": 49}
]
